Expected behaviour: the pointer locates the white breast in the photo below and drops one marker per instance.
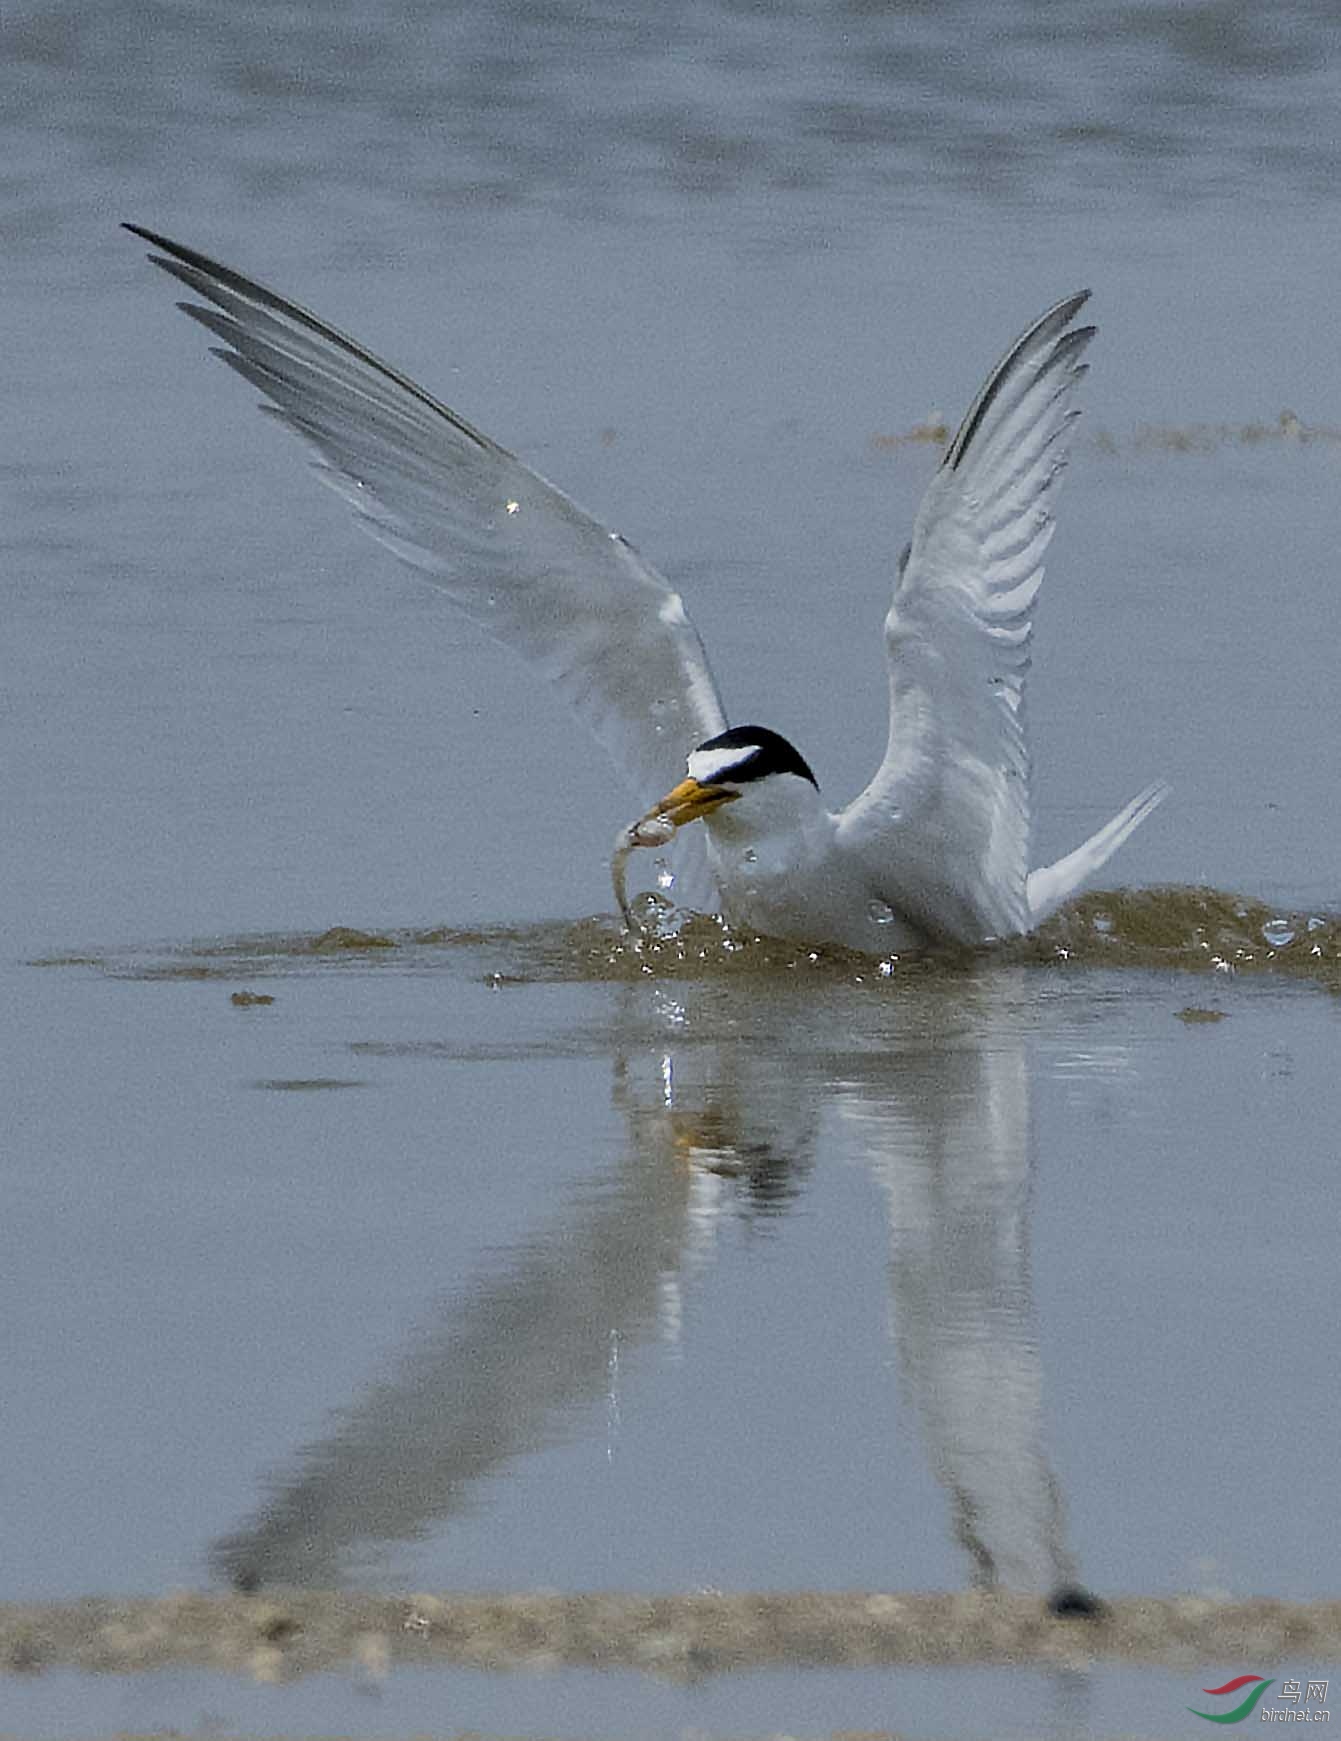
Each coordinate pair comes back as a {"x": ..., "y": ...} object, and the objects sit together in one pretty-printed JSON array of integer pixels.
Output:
[{"x": 798, "y": 883}]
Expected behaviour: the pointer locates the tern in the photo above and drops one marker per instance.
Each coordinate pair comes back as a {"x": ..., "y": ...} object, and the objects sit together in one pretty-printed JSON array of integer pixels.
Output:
[{"x": 936, "y": 848}]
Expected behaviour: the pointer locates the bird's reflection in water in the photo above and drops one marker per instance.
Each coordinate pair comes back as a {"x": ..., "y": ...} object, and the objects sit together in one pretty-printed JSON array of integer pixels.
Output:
[
  {"x": 932, "y": 1094},
  {"x": 952, "y": 1148}
]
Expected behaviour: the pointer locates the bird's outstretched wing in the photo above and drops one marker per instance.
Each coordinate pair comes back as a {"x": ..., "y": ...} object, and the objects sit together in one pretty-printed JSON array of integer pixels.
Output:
[
  {"x": 947, "y": 816},
  {"x": 514, "y": 553}
]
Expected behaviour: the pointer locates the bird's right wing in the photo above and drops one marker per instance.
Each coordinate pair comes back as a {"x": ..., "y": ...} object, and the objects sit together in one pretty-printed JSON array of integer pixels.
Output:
[
  {"x": 947, "y": 817},
  {"x": 513, "y": 552}
]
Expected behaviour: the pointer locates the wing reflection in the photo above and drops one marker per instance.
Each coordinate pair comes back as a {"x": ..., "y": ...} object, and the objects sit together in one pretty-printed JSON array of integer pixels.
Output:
[
  {"x": 948, "y": 1135},
  {"x": 505, "y": 1374},
  {"x": 930, "y": 1092}
]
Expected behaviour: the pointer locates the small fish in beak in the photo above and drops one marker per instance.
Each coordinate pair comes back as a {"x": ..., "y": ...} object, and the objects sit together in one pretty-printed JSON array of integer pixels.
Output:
[
  {"x": 688, "y": 801},
  {"x": 654, "y": 829}
]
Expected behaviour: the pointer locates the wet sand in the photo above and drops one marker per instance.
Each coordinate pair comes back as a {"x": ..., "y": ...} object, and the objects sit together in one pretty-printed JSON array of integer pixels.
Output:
[{"x": 272, "y": 1638}]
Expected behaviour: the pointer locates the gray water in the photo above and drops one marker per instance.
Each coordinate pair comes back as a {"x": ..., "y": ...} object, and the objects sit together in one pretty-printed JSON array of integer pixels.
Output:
[{"x": 492, "y": 1260}]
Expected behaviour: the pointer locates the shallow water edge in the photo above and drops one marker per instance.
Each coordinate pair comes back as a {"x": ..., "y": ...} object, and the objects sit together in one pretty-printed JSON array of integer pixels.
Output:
[
  {"x": 681, "y": 1637},
  {"x": 1195, "y": 930}
]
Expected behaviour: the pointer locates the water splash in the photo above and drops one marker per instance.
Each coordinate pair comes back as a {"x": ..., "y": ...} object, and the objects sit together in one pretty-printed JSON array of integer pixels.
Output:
[
  {"x": 1194, "y": 930},
  {"x": 656, "y": 918}
]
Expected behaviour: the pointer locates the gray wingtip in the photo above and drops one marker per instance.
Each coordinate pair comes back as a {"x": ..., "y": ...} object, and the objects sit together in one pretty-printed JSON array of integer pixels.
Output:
[{"x": 1050, "y": 328}]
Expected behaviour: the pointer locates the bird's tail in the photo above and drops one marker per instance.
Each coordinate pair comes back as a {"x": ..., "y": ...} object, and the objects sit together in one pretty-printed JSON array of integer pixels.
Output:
[{"x": 1046, "y": 889}]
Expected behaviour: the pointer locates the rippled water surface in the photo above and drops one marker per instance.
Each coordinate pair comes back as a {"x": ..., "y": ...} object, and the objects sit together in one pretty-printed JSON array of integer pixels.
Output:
[{"x": 372, "y": 1215}]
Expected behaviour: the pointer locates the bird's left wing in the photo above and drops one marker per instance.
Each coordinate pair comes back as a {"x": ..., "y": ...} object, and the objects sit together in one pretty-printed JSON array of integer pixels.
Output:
[
  {"x": 946, "y": 818},
  {"x": 514, "y": 553}
]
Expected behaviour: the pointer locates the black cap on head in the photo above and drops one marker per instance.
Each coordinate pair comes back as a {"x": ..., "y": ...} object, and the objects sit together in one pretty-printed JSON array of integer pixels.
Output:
[{"x": 762, "y": 752}]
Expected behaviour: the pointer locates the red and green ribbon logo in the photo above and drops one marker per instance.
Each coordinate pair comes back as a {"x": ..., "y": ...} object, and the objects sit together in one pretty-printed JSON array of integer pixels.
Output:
[{"x": 1258, "y": 1685}]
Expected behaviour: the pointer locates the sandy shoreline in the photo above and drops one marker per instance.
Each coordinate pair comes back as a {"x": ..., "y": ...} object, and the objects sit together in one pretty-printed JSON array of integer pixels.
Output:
[{"x": 277, "y": 1637}]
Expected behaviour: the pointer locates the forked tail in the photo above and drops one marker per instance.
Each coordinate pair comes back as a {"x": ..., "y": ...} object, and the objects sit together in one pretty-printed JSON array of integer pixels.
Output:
[{"x": 1046, "y": 889}]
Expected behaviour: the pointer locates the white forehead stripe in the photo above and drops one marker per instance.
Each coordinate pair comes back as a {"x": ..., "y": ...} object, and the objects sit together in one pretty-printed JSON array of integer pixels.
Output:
[{"x": 705, "y": 766}]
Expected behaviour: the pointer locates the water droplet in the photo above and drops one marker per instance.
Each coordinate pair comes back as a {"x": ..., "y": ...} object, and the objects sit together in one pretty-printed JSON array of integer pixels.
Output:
[
  {"x": 1317, "y": 924},
  {"x": 1278, "y": 932},
  {"x": 665, "y": 875},
  {"x": 749, "y": 856},
  {"x": 881, "y": 913},
  {"x": 1103, "y": 924},
  {"x": 612, "y": 1409},
  {"x": 658, "y": 920}
]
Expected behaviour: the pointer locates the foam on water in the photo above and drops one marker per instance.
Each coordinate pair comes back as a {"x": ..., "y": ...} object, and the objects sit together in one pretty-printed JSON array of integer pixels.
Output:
[{"x": 1195, "y": 930}]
